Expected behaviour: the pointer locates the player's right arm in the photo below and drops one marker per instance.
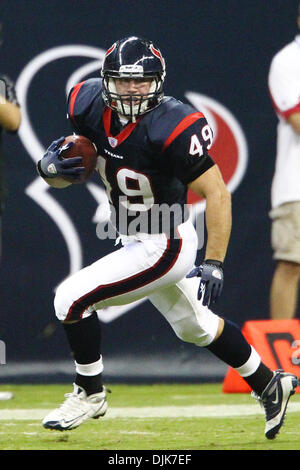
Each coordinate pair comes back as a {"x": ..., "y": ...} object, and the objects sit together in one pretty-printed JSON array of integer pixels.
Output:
[{"x": 54, "y": 169}]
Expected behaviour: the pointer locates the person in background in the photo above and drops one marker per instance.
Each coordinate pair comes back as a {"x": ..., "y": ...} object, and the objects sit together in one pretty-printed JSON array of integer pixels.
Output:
[
  {"x": 284, "y": 86},
  {"x": 10, "y": 120}
]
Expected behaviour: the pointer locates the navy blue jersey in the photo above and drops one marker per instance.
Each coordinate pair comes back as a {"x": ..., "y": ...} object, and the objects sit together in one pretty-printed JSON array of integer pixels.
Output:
[{"x": 147, "y": 165}]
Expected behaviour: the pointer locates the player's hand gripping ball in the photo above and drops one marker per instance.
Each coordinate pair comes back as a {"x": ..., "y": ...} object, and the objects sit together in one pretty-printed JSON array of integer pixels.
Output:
[{"x": 80, "y": 146}]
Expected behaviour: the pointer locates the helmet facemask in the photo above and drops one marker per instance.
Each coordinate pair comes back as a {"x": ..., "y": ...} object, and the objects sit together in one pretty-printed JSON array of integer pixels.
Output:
[{"x": 132, "y": 106}]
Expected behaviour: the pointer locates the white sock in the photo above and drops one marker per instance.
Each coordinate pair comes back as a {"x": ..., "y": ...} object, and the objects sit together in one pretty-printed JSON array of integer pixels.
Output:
[
  {"x": 251, "y": 365},
  {"x": 94, "y": 368}
]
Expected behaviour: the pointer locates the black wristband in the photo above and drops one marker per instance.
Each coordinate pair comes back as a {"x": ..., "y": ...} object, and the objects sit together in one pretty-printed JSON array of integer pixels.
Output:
[
  {"x": 214, "y": 262},
  {"x": 39, "y": 170}
]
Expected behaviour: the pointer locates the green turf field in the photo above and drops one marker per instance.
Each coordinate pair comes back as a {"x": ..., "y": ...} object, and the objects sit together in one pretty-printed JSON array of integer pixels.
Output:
[{"x": 157, "y": 417}]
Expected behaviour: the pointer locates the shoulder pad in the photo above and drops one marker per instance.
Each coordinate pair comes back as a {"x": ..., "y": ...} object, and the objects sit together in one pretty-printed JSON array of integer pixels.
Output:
[
  {"x": 170, "y": 118},
  {"x": 81, "y": 96}
]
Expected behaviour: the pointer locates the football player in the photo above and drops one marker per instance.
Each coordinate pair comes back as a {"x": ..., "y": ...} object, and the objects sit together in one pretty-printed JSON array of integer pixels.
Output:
[{"x": 151, "y": 149}]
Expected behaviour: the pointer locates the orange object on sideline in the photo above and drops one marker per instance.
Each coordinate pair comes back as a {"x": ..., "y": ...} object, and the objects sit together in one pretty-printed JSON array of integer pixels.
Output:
[{"x": 278, "y": 344}]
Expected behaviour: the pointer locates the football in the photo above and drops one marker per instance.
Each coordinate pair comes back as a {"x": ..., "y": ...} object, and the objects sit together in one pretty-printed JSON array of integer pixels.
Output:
[{"x": 82, "y": 147}]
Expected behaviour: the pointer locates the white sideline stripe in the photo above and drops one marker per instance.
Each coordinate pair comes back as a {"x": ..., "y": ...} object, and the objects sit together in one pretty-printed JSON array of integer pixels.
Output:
[{"x": 197, "y": 411}]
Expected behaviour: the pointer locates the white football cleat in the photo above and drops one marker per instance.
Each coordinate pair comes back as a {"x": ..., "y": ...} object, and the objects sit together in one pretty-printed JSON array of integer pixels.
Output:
[
  {"x": 77, "y": 408},
  {"x": 274, "y": 400}
]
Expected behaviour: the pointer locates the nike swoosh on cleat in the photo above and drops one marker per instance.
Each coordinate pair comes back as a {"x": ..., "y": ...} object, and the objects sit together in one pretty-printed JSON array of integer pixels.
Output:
[
  {"x": 64, "y": 424},
  {"x": 70, "y": 421},
  {"x": 276, "y": 401}
]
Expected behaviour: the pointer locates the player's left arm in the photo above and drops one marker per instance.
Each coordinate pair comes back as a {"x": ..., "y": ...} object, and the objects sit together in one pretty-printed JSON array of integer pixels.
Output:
[
  {"x": 211, "y": 186},
  {"x": 186, "y": 151}
]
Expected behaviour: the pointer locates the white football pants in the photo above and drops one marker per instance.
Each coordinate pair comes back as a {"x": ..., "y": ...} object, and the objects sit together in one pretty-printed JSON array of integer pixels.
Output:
[{"x": 151, "y": 266}]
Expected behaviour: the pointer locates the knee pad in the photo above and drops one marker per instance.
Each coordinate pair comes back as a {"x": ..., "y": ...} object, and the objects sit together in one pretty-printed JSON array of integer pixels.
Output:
[
  {"x": 61, "y": 304},
  {"x": 67, "y": 295},
  {"x": 190, "y": 320},
  {"x": 191, "y": 331}
]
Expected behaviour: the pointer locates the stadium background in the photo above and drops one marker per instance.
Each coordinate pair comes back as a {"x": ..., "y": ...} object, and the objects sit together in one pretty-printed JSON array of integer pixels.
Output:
[{"x": 219, "y": 49}]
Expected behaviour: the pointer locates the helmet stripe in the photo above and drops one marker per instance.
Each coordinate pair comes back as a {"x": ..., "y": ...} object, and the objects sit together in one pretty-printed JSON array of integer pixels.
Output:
[
  {"x": 110, "y": 50},
  {"x": 157, "y": 53}
]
